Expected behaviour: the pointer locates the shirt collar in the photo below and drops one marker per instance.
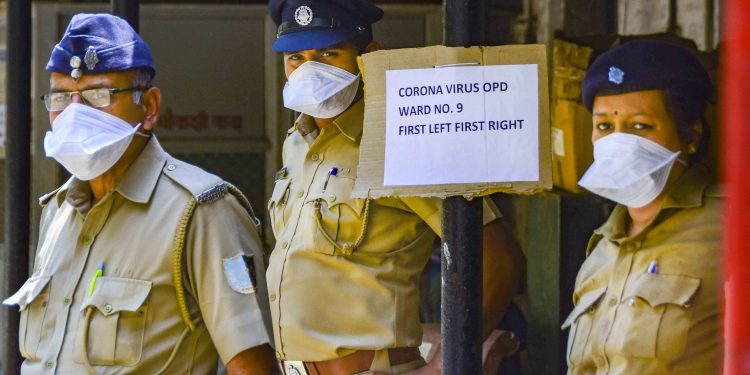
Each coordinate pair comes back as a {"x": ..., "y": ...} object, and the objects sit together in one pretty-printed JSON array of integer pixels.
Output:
[
  {"x": 137, "y": 184},
  {"x": 349, "y": 122},
  {"x": 687, "y": 193},
  {"x": 140, "y": 179}
]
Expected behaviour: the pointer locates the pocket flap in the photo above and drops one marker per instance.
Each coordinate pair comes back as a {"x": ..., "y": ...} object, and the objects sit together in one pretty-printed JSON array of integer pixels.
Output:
[
  {"x": 588, "y": 300},
  {"x": 278, "y": 190},
  {"x": 114, "y": 294},
  {"x": 659, "y": 289},
  {"x": 28, "y": 291},
  {"x": 338, "y": 191}
]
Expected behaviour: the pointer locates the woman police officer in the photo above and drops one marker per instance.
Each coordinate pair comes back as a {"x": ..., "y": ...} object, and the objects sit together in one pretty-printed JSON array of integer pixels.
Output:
[{"x": 647, "y": 297}]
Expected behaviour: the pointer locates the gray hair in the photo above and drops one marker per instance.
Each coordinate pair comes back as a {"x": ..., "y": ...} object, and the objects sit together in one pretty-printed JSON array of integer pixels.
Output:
[{"x": 141, "y": 79}]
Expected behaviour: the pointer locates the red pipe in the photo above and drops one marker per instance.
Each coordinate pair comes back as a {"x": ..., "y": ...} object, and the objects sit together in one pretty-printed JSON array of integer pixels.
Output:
[{"x": 735, "y": 116}]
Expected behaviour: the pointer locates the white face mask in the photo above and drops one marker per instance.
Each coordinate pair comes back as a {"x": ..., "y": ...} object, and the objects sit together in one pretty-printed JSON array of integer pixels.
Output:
[
  {"x": 87, "y": 141},
  {"x": 629, "y": 169},
  {"x": 320, "y": 90}
]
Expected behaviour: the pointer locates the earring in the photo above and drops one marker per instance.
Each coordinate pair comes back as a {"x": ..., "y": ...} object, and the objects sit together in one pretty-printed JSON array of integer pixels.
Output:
[{"x": 692, "y": 149}]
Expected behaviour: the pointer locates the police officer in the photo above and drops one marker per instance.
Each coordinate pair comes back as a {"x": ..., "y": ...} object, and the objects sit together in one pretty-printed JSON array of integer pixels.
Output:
[
  {"x": 142, "y": 261},
  {"x": 647, "y": 296},
  {"x": 343, "y": 276}
]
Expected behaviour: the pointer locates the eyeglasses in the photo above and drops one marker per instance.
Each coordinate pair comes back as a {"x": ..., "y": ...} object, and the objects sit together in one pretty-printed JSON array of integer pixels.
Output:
[{"x": 97, "y": 98}]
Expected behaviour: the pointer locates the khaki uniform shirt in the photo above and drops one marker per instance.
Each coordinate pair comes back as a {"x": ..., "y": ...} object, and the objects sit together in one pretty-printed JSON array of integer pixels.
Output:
[
  {"x": 135, "y": 321},
  {"x": 649, "y": 304},
  {"x": 331, "y": 291}
]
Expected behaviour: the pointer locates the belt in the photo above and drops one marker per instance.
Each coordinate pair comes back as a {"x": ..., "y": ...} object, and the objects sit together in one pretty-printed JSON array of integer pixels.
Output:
[{"x": 359, "y": 361}]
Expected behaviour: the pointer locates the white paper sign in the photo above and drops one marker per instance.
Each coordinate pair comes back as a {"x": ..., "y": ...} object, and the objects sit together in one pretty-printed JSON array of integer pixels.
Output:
[{"x": 468, "y": 124}]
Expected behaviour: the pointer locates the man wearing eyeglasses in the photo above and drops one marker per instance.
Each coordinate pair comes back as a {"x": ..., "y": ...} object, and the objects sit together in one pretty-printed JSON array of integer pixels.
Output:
[{"x": 145, "y": 264}]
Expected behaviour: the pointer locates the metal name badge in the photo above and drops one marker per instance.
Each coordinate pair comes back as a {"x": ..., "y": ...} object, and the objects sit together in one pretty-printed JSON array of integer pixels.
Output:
[
  {"x": 303, "y": 15},
  {"x": 238, "y": 274},
  {"x": 616, "y": 75}
]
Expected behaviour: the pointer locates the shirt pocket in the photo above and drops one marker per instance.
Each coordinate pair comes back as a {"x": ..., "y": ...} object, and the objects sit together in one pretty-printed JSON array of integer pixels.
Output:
[
  {"x": 113, "y": 321},
  {"x": 340, "y": 224},
  {"x": 277, "y": 207},
  {"x": 32, "y": 298},
  {"x": 654, "y": 316},
  {"x": 580, "y": 322}
]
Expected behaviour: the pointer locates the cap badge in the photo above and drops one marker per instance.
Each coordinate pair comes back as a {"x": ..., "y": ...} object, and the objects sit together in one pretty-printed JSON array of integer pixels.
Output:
[
  {"x": 616, "y": 75},
  {"x": 303, "y": 15},
  {"x": 90, "y": 58},
  {"x": 75, "y": 63}
]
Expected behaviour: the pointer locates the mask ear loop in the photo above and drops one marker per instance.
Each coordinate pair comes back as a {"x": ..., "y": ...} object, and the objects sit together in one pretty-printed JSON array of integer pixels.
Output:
[{"x": 680, "y": 160}]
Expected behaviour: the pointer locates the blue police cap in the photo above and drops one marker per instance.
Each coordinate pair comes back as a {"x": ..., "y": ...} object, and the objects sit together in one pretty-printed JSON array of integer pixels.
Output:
[
  {"x": 99, "y": 43},
  {"x": 645, "y": 65},
  {"x": 315, "y": 24}
]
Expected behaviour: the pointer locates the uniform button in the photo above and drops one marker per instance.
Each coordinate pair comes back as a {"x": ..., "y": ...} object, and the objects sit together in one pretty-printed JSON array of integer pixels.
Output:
[
  {"x": 631, "y": 302},
  {"x": 86, "y": 239},
  {"x": 599, "y": 362},
  {"x": 284, "y": 245},
  {"x": 300, "y": 194},
  {"x": 613, "y": 301},
  {"x": 49, "y": 364},
  {"x": 314, "y": 157},
  {"x": 66, "y": 301},
  {"x": 332, "y": 197},
  {"x": 171, "y": 167},
  {"x": 107, "y": 308},
  {"x": 272, "y": 297}
]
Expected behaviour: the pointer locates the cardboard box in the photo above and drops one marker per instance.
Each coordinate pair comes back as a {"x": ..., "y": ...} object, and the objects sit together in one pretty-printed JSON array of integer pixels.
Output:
[
  {"x": 370, "y": 175},
  {"x": 572, "y": 151}
]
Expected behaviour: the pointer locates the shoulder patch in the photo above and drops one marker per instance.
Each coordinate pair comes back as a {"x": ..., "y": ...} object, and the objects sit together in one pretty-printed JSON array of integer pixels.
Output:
[
  {"x": 239, "y": 273},
  {"x": 203, "y": 186}
]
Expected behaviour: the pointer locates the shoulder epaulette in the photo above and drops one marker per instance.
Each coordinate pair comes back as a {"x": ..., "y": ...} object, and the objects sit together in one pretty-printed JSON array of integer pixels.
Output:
[
  {"x": 203, "y": 186},
  {"x": 44, "y": 199}
]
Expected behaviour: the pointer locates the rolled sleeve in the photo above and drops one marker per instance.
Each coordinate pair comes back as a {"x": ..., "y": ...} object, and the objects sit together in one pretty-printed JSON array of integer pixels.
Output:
[
  {"x": 220, "y": 231},
  {"x": 431, "y": 211}
]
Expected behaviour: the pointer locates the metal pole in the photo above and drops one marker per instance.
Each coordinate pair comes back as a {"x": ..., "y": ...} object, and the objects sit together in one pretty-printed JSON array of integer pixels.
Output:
[
  {"x": 15, "y": 254},
  {"x": 127, "y": 10},
  {"x": 461, "y": 313}
]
